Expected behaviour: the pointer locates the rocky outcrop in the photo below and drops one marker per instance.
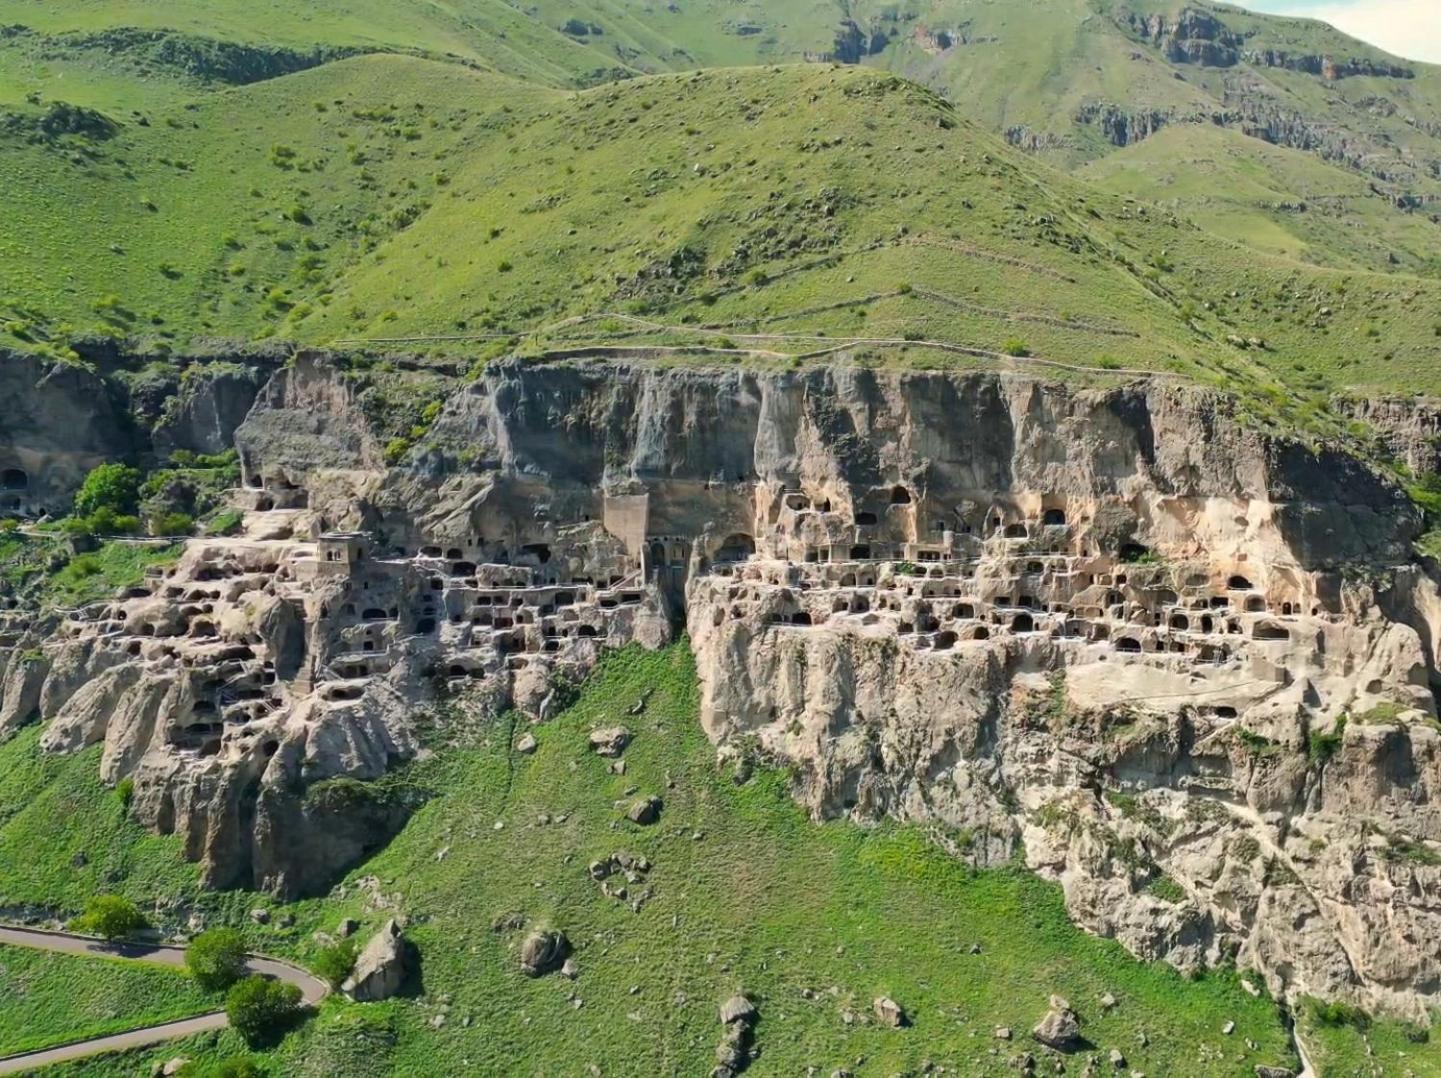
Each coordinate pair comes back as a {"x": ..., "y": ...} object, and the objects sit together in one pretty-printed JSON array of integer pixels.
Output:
[
  {"x": 382, "y": 967},
  {"x": 1059, "y": 1028},
  {"x": 1122, "y": 126},
  {"x": 1182, "y": 665},
  {"x": 57, "y": 421},
  {"x": 543, "y": 952},
  {"x": 1409, "y": 428}
]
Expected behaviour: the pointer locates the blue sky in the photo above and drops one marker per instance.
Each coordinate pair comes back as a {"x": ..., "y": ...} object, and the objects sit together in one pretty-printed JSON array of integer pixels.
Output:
[{"x": 1410, "y": 28}]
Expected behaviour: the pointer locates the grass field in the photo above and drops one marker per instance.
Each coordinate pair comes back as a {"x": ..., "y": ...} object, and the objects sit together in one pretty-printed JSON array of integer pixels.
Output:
[
  {"x": 42, "y": 568},
  {"x": 49, "y": 999},
  {"x": 1280, "y": 200}
]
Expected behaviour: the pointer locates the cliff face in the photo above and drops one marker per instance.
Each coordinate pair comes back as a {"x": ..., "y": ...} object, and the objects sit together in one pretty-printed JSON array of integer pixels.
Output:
[
  {"x": 59, "y": 421},
  {"x": 1184, "y": 666}
]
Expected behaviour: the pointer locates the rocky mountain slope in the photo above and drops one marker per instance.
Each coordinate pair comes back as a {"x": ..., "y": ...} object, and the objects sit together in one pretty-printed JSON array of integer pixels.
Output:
[
  {"x": 1184, "y": 666},
  {"x": 998, "y": 429}
]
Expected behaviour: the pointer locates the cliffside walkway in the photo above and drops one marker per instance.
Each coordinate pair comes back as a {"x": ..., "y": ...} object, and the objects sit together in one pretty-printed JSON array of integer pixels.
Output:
[{"x": 312, "y": 990}]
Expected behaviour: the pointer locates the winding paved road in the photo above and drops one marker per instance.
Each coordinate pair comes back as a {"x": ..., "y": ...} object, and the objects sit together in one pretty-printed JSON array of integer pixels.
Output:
[{"x": 312, "y": 990}]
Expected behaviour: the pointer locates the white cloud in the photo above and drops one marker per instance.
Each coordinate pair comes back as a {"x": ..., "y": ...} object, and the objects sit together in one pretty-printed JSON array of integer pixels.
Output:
[{"x": 1409, "y": 28}]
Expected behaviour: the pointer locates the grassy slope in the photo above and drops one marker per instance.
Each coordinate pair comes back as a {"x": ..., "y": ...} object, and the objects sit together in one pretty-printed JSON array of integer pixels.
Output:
[
  {"x": 1013, "y": 67},
  {"x": 189, "y": 221},
  {"x": 763, "y": 901},
  {"x": 64, "y": 837},
  {"x": 48, "y": 999},
  {"x": 1383, "y": 1048},
  {"x": 26, "y": 565},
  {"x": 1248, "y": 190},
  {"x": 327, "y": 205}
]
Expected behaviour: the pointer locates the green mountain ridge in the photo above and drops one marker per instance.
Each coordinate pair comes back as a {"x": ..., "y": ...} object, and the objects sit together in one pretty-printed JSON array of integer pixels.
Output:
[{"x": 393, "y": 198}]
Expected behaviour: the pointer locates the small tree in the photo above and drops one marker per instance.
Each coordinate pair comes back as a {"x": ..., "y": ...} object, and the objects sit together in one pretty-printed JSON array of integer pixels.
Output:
[
  {"x": 335, "y": 962},
  {"x": 261, "y": 1010},
  {"x": 109, "y": 916},
  {"x": 171, "y": 524},
  {"x": 109, "y": 486},
  {"x": 216, "y": 958}
]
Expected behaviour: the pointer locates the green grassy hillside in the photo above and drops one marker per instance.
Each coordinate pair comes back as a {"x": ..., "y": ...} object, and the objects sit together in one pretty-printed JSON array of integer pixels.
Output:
[
  {"x": 64, "y": 837},
  {"x": 382, "y": 198},
  {"x": 50, "y": 999},
  {"x": 1279, "y": 200}
]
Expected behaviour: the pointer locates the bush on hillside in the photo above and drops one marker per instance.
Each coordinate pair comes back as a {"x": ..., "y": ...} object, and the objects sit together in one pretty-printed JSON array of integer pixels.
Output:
[
  {"x": 261, "y": 1010},
  {"x": 115, "y": 487},
  {"x": 335, "y": 962},
  {"x": 110, "y": 916},
  {"x": 216, "y": 958}
]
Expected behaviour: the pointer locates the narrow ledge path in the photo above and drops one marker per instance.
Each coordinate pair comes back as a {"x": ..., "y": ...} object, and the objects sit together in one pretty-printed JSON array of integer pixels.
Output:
[{"x": 312, "y": 990}]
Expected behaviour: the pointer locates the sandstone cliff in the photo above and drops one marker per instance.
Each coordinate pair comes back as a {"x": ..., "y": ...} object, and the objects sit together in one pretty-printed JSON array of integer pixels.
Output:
[{"x": 1182, "y": 666}]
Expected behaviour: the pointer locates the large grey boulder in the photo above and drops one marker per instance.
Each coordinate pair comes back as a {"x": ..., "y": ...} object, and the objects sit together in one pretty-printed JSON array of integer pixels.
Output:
[
  {"x": 1060, "y": 1028},
  {"x": 543, "y": 952},
  {"x": 609, "y": 741},
  {"x": 381, "y": 968}
]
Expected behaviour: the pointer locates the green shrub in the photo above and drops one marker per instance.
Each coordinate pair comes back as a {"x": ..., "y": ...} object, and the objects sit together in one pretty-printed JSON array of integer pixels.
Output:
[
  {"x": 109, "y": 486},
  {"x": 261, "y": 1010},
  {"x": 235, "y": 1067},
  {"x": 172, "y": 524},
  {"x": 335, "y": 962},
  {"x": 85, "y": 565},
  {"x": 125, "y": 790},
  {"x": 1341, "y": 1014},
  {"x": 1321, "y": 747},
  {"x": 216, "y": 958},
  {"x": 110, "y": 916},
  {"x": 226, "y": 523},
  {"x": 1015, "y": 347},
  {"x": 396, "y": 449},
  {"x": 1167, "y": 890}
]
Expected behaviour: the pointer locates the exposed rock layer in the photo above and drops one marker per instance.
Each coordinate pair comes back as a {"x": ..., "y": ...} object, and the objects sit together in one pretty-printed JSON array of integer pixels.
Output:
[{"x": 1186, "y": 666}]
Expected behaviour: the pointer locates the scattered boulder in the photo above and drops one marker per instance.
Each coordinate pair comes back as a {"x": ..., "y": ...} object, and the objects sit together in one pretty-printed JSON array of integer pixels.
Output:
[
  {"x": 1229, "y": 1028},
  {"x": 645, "y": 811},
  {"x": 543, "y": 952},
  {"x": 1263, "y": 1071},
  {"x": 1060, "y": 1028},
  {"x": 507, "y": 922},
  {"x": 260, "y": 916},
  {"x": 170, "y": 1066},
  {"x": 381, "y": 968},
  {"x": 610, "y": 740},
  {"x": 347, "y": 928},
  {"x": 738, "y": 1008},
  {"x": 526, "y": 744},
  {"x": 1117, "y": 1059},
  {"x": 889, "y": 1012},
  {"x": 734, "y": 1052},
  {"x": 1002, "y": 1033}
]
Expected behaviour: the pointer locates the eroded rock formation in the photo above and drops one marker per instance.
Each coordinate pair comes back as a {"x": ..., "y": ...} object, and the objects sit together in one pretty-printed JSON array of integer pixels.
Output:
[{"x": 1183, "y": 666}]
